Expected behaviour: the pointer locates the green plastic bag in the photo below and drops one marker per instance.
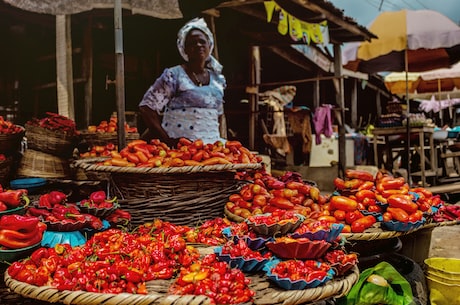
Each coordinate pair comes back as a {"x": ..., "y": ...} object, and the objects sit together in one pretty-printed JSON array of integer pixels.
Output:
[{"x": 398, "y": 292}]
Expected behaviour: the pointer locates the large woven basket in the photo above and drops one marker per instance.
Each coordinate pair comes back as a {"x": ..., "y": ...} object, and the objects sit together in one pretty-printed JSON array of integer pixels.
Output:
[
  {"x": 185, "y": 195},
  {"x": 104, "y": 138},
  {"x": 266, "y": 293},
  {"x": 5, "y": 170},
  {"x": 39, "y": 164},
  {"x": 53, "y": 142},
  {"x": 10, "y": 143}
]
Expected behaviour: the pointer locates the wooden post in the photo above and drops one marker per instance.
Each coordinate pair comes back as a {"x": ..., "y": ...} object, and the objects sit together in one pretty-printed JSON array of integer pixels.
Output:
[
  {"x": 88, "y": 71},
  {"x": 120, "y": 74},
  {"x": 354, "y": 103},
  {"x": 64, "y": 74},
  {"x": 316, "y": 94},
  {"x": 340, "y": 101},
  {"x": 254, "y": 94}
]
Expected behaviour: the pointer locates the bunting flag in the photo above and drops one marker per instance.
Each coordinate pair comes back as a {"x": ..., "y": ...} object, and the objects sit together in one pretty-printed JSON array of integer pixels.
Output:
[{"x": 298, "y": 30}]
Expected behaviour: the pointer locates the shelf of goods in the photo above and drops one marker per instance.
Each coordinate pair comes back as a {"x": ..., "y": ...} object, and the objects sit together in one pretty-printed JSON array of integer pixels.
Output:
[{"x": 184, "y": 195}]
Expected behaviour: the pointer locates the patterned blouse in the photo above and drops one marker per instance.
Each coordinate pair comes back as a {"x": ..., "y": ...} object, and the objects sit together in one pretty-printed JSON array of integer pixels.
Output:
[{"x": 189, "y": 110}]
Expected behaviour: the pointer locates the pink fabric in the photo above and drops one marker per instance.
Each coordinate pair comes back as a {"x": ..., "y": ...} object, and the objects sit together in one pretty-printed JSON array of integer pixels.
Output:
[{"x": 322, "y": 121}]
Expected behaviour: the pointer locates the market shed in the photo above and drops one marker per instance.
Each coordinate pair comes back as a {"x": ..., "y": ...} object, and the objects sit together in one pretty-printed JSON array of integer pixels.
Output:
[{"x": 239, "y": 25}]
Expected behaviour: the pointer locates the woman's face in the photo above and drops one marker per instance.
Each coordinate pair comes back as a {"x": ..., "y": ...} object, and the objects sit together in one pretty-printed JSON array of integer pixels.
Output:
[{"x": 197, "y": 46}]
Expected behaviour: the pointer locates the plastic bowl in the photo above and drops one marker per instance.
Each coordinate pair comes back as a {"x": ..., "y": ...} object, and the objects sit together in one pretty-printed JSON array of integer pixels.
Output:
[
  {"x": 249, "y": 265},
  {"x": 289, "y": 284},
  {"x": 447, "y": 268},
  {"x": 302, "y": 249},
  {"x": 30, "y": 184},
  {"x": 254, "y": 243},
  {"x": 12, "y": 255},
  {"x": 276, "y": 229},
  {"x": 327, "y": 235},
  {"x": 400, "y": 226},
  {"x": 442, "y": 293}
]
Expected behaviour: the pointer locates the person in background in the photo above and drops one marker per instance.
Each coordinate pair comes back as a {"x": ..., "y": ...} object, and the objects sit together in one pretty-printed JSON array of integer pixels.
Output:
[{"x": 187, "y": 100}]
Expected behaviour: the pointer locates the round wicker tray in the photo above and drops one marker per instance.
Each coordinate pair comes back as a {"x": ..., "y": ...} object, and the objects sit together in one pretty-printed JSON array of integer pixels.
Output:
[
  {"x": 185, "y": 195},
  {"x": 266, "y": 293}
]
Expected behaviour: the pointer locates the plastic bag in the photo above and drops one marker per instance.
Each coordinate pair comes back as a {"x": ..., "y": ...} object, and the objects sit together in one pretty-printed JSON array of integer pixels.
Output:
[{"x": 398, "y": 292}]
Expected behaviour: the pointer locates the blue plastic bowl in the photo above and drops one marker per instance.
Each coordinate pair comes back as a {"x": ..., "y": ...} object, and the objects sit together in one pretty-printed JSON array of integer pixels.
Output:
[{"x": 30, "y": 184}]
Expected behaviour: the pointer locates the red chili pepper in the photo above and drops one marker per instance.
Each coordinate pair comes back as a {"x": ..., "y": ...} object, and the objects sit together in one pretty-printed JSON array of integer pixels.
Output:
[{"x": 3, "y": 206}]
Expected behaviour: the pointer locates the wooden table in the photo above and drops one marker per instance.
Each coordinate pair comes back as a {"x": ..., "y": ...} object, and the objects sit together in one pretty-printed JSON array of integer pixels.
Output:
[{"x": 423, "y": 132}]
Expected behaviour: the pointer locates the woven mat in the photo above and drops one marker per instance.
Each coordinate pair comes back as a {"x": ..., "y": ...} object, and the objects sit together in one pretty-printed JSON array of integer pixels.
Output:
[{"x": 266, "y": 293}]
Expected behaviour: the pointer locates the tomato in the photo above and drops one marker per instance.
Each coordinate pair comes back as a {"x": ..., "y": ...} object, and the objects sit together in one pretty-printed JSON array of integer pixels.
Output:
[
  {"x": 359, "y": 174},
  {"x": 398, "y": 214},
  {"x": 343, "y": 203},
  {"x": 351, "y": 216},
  {"x": 340, "y": 214},
  {"x": 281, "y": 203},
  {"x": 416, "y": 216},
  {"x": 364, "y": 194},
  {"x": 404, "y": 202}
]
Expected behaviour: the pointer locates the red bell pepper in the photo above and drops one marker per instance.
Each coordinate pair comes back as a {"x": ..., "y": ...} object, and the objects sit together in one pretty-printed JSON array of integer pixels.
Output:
[
  {"x": 98, "y": 196},
  {"x": 14, "y": 198},
  {"x": 56, "y": 197},
  {"x": 18, "y": 222}
]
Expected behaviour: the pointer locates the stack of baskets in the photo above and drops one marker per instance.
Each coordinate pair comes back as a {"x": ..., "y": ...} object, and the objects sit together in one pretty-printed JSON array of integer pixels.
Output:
[
  {"x": 48, "y": 153},
  {"x": 10, "y": 144}
]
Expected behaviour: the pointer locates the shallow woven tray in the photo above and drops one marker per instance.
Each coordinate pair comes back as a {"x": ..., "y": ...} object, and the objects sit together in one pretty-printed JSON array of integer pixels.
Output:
[
  {"x": 52, "y": 142},
  {"x": 11, "y": 142},
  {"x": 39, "y": 164},
  {"x": 187, "y": 195},
  {"x": 104, "y": 138},
  {"x": 266, "y": 293}
]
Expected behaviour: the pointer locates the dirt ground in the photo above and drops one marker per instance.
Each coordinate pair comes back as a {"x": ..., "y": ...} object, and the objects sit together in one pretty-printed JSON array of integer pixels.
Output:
[{"x": 445, "y": 242}]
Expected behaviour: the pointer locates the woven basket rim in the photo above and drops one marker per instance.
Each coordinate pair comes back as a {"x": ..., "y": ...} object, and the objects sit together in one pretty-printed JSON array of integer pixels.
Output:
[
  {"x": 88, "y": 165},
  {"x": 368, "y": 235},
  {"x": 86, "y": 133},
  {"x": 9, "y": 135},
  {"x": 335, "y": 288},
  {"x": 58, "y": 133},
  {"x": 391, "y": 234}
]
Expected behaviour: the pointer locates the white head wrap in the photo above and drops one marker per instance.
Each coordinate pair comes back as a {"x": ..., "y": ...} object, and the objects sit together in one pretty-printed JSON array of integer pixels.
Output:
[{"x": 200, "y": 24}]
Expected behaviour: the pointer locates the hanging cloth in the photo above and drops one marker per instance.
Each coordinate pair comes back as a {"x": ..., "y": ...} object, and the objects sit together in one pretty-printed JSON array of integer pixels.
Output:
[
  {"x": 322, "y": 121},
  {"x": 299, "y": 119}
]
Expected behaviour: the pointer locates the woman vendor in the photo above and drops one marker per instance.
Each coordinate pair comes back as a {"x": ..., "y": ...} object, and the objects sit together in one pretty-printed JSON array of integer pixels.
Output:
[{"x": 187, "y": 100}]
